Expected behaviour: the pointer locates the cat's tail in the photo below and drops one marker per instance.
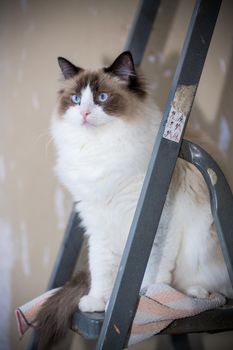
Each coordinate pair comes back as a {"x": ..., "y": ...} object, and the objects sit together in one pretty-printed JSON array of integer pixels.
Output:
[{"x": 54, "y": 318}]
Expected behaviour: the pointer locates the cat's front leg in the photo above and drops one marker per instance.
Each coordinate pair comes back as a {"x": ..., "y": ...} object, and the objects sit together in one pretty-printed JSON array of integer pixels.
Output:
[
  {"x": 90, "y": 303},
  {"x": 169, "y": 253},
  {"x": 197, "y": 292},
  {"x": 102, "y": 273}
]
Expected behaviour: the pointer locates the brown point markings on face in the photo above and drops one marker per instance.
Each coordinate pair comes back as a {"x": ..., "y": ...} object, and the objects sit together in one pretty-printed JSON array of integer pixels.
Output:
[
  {"x": 121, "y": 96},
  {"x": 120, "y": 81}
]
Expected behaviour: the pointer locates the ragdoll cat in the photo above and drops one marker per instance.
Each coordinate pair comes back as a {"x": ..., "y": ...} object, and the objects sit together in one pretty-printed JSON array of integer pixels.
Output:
[{"x": 104, "y": 128}]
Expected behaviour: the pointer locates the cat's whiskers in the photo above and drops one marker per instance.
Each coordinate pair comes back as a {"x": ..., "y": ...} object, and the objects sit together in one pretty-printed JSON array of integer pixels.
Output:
[
  {"x": 46, "y": 143},
  {"x": 41, "y": 135}
]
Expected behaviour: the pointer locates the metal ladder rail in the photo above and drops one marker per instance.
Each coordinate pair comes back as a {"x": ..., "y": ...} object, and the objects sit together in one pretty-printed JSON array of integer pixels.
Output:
[
  {"x": 124, "y": 298},
  {"x": 221, "y": 197},
  {"x": 141, "y": 29},
  {"x": 68, "y": 252}
]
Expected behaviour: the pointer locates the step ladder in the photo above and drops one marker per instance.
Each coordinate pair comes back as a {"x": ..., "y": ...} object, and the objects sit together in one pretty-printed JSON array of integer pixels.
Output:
[{"x": 123, "y": 301}]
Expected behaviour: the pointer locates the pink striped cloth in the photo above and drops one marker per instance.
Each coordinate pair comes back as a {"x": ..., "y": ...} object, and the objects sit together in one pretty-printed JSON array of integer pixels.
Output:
[
  {"x": 159, "y": 305},
  {"x": 26, "y": 314}
]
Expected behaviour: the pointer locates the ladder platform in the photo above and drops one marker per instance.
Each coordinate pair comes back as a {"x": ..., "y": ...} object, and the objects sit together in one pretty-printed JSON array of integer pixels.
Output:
[
  {"x": 87, "y": 324},
  {"x": 216, "y": 320}
]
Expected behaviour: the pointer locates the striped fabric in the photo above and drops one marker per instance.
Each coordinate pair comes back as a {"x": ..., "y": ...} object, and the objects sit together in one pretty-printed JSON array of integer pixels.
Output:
[
  {"x": 158, "y": 306},
  {"x": 26, "y": 314},
  {"x": 161, "y": 304}
]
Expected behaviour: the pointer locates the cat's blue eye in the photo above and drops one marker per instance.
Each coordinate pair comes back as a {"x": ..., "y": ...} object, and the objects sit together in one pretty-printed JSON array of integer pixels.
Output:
[
  {"x": 103, "y": 97},
  {"x": 76, "y": 99}
]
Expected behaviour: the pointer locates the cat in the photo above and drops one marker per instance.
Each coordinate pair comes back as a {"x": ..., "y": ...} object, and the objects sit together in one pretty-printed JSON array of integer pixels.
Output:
[{"x": 104, "y": 127}]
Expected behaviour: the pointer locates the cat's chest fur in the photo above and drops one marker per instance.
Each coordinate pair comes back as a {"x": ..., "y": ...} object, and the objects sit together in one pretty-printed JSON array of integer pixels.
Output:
[
  {"x": 95, "y": 166},
  {"x": 104, "y": 171}
]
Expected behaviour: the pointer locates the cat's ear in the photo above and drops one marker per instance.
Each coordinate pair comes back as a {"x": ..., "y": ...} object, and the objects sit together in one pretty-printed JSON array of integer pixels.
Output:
[
  {"x": 68, "y": 69},
  {"x": 123, "y": 66}
]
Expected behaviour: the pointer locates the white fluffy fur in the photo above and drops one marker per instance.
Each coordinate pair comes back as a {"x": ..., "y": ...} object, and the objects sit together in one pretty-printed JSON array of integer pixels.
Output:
[{"x": 103, "y": 165}]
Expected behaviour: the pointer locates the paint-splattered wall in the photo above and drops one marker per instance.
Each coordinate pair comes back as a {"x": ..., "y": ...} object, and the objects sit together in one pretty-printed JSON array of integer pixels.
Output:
[{"x": 33, "y": 205}]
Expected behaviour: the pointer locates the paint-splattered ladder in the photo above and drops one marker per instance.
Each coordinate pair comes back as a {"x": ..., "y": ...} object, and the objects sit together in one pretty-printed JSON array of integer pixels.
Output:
[{"x": 168, "y": 146}]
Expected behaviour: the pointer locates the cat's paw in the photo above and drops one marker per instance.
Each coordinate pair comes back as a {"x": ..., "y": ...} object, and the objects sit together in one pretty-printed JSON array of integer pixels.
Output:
[
  {"x": 89, "y": 303},
  {"x": 197, "y": 292}
]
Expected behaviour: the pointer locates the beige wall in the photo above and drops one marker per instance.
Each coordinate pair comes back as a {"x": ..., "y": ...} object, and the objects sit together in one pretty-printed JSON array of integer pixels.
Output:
[{"x": 33, "y": 206}]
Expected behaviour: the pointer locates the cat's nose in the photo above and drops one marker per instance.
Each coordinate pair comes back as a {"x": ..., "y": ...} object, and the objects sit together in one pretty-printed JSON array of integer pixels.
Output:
[{"x": 85, "y": 114}]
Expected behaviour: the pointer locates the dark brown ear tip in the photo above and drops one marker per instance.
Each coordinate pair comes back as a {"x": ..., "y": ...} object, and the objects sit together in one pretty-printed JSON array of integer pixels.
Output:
[
  {"x": 61, "y": 60},
  {"x": 68, "y": 69},
  {"x": 127, "y": 57},
  {"x": 127, "y": 53}
]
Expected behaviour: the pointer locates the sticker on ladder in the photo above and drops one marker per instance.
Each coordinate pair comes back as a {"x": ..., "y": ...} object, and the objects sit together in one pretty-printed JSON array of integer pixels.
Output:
[{"x": 174, "y": 126}]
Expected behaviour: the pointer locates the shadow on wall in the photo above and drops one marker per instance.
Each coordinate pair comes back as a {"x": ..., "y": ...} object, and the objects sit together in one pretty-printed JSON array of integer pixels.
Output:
[
  {"x": 219, "y": 130},
  {"x": 224, "y": 124}
]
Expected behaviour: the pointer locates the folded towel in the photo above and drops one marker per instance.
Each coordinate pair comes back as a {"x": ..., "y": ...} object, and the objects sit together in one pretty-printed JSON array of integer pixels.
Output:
[
  {"x": 26, "y": 314},
  {"x": 159, "y": 305}
]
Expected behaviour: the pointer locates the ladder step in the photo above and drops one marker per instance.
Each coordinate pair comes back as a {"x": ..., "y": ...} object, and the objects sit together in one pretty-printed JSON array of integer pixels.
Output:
[
  {"x": 88, "y": 324},
  {"x": 211, "y": 321}
]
